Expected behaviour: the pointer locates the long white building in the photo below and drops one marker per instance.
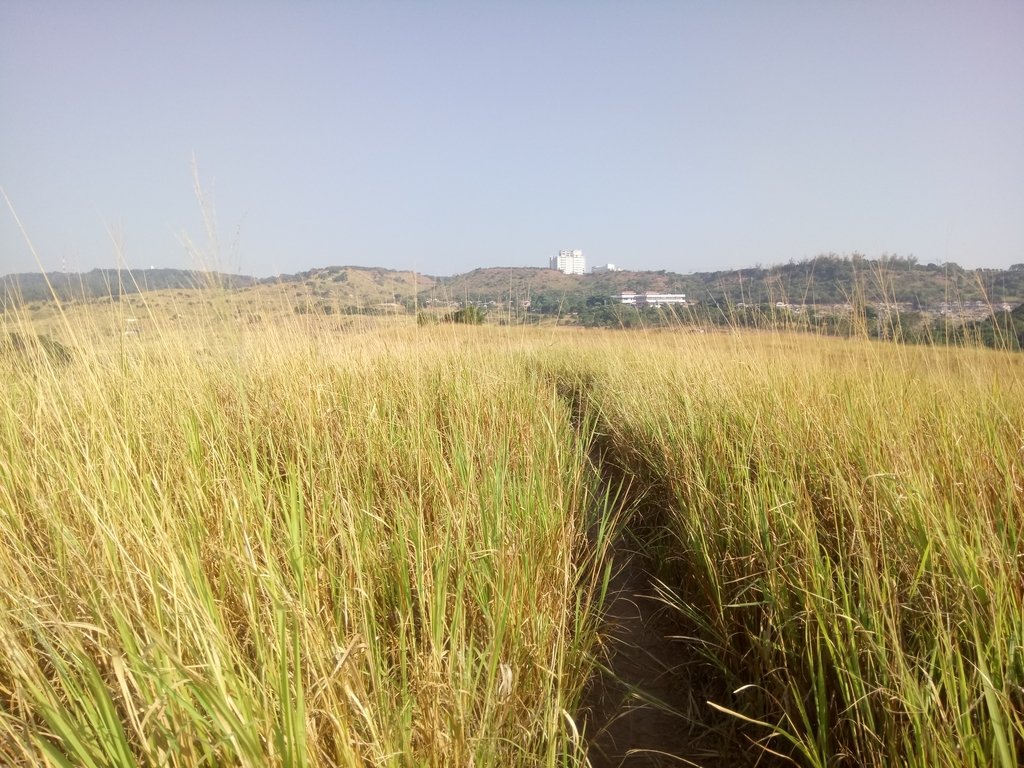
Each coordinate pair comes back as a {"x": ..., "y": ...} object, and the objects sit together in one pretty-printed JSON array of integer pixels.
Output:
[
  {"x": 650, "y": 299},
  {"x": 569, "y": 262}
]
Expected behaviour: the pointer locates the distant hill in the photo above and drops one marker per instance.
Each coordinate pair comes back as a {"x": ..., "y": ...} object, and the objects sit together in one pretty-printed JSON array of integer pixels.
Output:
[
  {"x": 833, "y": 280},
  {"x": 550, "y": 291},
  {"x": 99, "y": 283},
  {"x": 358, "y": 286},
  {"x": 828, "y": 279},
  {"x": 346, "y": 290},
  {"x": 823, "y": 280},
  {"x": 344, "y": 286},
  {"x": 498, "y": 283}
]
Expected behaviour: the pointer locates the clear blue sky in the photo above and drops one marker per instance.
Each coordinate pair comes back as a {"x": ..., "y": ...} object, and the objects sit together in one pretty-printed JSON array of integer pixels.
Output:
[{"x": 443, "y": 136}]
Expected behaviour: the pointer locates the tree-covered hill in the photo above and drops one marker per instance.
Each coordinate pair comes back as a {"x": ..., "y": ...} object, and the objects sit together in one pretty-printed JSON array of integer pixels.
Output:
[
  {"x": 826, "y": 279},
  {"x": 832, "y": 279}
]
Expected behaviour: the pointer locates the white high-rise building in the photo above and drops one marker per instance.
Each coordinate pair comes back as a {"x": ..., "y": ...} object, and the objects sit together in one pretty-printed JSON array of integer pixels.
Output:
[{"x": 569, "y": 262}]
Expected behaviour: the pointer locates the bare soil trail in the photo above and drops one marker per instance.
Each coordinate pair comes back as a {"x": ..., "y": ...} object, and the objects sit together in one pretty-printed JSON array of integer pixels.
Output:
[
  {"x": 647, "y": 706},
  {"x": 634, "y": 708}
]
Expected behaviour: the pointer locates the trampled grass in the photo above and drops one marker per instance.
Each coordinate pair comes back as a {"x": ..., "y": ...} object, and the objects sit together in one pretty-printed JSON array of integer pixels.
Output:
[{"x": 290, "y": 543}]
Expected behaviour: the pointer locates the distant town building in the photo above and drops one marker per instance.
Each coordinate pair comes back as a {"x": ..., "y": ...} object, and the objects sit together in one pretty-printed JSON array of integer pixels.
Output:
[
  {"x": 569, "y": 262},
  {"x": 650, "y": 299},
  {"x": 606, "y": 268}
]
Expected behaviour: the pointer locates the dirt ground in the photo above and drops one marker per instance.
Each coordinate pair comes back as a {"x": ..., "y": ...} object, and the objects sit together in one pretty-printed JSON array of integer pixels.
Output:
[{"x": 636, "y": 710}]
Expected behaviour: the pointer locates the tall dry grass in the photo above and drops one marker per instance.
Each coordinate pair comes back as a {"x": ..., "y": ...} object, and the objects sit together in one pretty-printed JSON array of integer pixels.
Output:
[
  {"x": 280, "y": 543},
  {"x": 292, "y": 549},
  {"x": 841, "y": 538}
]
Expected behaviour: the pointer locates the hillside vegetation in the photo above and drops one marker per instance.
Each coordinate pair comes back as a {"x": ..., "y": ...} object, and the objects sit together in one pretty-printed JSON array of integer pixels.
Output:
[
  {"x": 337, "y": 287},
  {"x": 824, "y": 280},
  {"x": 103, "y": 283},
  {"x": 285, "y": 541}
]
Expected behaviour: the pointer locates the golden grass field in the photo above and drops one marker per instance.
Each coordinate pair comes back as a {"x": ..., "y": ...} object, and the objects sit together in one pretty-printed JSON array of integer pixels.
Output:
[{"x": 237, "y": 536}]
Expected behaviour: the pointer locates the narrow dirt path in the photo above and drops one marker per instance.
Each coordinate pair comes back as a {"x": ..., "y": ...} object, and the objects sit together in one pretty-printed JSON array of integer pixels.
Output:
[
  {"x": 647, "y": 706},
  {"x": 635, "y": 707}
]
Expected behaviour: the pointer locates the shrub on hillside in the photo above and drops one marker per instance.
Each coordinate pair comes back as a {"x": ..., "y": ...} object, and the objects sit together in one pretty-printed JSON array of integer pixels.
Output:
[
  {"x": 467, "y": 315},
  {"x": 22, "y": 348}
]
